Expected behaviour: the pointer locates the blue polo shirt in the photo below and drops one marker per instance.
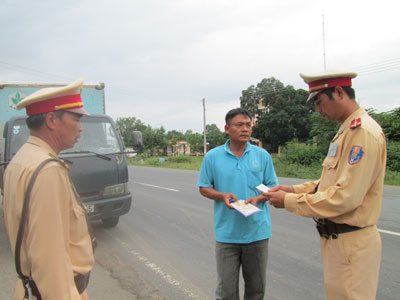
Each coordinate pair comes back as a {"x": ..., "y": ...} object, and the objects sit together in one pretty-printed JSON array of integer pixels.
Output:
[{"x": 225, "y": 172}]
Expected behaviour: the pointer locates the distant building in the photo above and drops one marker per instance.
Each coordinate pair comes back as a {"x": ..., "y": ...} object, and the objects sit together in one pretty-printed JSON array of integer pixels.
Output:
[
  {"x": 179, "y": 148},
  {"x": 264, "y": 109}
]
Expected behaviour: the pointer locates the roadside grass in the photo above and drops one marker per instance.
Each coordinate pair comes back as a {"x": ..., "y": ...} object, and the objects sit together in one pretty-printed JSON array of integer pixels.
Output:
[
  {"x": 392, "y": 178},
  {"x": 282, "y": 169},
  {"x": 174, "y": 162}
]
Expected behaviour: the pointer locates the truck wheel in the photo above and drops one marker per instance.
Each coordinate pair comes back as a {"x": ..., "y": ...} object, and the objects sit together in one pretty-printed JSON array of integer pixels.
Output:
[{"x": 110, "y": 222}]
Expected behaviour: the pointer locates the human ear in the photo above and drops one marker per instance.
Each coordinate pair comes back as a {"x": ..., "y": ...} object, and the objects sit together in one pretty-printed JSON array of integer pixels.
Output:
[
  {"x": 339, "y": 91},
  {"x": 226, "y": 128},
  {"x": 50, "y": 120}
]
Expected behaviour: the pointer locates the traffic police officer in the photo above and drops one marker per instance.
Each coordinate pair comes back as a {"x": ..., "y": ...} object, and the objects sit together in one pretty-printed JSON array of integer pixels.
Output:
[
  {"x": 56, "y": 249},
  {"x": 346, "y": 200}
]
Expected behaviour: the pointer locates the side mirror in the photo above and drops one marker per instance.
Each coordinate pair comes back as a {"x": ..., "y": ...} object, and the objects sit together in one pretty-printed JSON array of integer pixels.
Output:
[{"x": 137, "y": 138}]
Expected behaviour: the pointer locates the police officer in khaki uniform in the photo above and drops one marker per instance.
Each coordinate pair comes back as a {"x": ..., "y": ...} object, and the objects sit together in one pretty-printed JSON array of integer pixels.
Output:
[
  {"x": 56, "y": 246},
  {"x": 346, "y": 200}
]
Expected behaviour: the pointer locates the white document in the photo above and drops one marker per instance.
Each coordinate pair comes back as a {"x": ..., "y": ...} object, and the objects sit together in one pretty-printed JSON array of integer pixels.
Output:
[
  {"x": 245, "y": 209},
  {"x": 262, "y": 188}
]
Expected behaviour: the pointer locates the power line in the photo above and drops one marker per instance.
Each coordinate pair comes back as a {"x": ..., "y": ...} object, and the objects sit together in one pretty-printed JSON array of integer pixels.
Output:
[
  {"x": 32, "y": 71},
  {"x": 383, "y": 66}
]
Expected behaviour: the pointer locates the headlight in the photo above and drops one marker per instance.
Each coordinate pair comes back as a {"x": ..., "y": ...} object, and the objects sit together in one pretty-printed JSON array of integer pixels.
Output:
[{"x": 115, "y": 190}]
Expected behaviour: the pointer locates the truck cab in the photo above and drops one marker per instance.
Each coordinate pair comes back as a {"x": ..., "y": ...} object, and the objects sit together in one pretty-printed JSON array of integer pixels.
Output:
[{"x": 97, "y": 162}]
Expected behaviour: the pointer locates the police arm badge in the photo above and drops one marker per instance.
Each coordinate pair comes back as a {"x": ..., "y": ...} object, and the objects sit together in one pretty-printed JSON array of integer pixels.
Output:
[{"x": 356, "y": 154}]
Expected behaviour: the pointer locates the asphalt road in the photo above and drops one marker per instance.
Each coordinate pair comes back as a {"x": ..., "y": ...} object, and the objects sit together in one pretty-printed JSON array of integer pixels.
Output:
[
  {"x": 168, "y": 239},
  {"x": 164, "y": 247}
]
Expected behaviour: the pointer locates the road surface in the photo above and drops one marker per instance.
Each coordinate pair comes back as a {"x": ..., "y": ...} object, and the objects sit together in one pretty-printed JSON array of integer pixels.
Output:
[{"x": 164, "y": 247}]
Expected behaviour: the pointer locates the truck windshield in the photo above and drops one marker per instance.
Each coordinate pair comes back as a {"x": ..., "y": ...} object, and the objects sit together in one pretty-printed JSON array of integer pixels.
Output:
[{"x": 98, "y": 135}]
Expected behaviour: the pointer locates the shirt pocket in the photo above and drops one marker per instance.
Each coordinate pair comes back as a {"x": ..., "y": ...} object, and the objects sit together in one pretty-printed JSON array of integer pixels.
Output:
[
  {"x": 255, "y": 178},
  {"x": 330, "y": 169},
  {"x": 330, "y": 162}
]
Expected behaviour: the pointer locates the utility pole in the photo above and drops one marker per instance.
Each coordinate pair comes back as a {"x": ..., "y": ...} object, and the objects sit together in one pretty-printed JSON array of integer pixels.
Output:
[
  {"x": 204, "y": 126},
  {"x": 323, "y": 40}
]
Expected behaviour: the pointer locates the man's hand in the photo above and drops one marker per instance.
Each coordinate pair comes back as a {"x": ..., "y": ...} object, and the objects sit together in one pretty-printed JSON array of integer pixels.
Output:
[
  {"x": 276, "y": 195},
  {"x": 255, "y": 200},
  {"x": 213, "y": 194},
  {"x": 277, "y": 199},
  {"x": 227, "y": 197},
  {"x": 283, "y": 188}
]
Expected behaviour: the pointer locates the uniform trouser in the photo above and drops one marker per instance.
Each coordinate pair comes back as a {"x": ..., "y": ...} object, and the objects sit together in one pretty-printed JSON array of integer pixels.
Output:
[
  {"x": 351, "y": 264},
  {"x": 253, "y": 260}
]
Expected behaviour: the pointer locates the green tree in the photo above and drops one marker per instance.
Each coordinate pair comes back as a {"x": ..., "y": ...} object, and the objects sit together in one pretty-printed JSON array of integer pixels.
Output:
[
  {"x": 126, "y": 126},
  {"x": 215, "y": 137},
  {"x": 323, "y": 131},
  {"x": 175, "y": 134},
  {"x": 281, "y": 111},
  {"x": 160, "y": 139},
  {"x": 195, "y": 141},
  {"x": 153, "y": 139},
  {"x": 389, "y": 121}
]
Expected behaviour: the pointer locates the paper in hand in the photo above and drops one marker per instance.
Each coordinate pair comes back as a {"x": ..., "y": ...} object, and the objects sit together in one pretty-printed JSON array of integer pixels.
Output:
[
  {"x": 245, "y": 209},
  {"x": 262, "y": 188}
]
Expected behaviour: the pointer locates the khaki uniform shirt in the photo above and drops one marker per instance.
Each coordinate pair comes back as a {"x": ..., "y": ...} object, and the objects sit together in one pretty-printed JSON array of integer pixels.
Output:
[
  {"x": 56, "y": 243},
  {"x": 351, "y": 184}
]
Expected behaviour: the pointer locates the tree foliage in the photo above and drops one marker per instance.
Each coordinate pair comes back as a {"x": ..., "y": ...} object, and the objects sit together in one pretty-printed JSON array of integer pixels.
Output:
[
  {"x": 389, "y": 121},
  {"x": 283, "y": 118},
  {"x": 126, "y": 126},
  {"x": 215, "y": 136},
  {"x": 322, "y": 131},
  {"x": 156, "y": 140},
  {"x": 195, "y": 141},
  {"x": 281, "y": 111}
]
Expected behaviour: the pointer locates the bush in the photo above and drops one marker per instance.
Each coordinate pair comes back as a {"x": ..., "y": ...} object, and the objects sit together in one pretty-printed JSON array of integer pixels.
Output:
[
  {"x": 393, "y": 156},
  {"x": 179, "y": 159},
  {"x": 301, "y": 154}
]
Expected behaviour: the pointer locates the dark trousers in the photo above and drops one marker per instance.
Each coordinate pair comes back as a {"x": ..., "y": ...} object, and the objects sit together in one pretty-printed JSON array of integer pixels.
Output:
[{"x": 253, "y": 260}]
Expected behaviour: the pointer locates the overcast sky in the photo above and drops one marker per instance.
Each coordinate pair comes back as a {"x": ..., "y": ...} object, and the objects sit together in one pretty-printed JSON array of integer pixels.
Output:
[{"x": 159, "y": 58}]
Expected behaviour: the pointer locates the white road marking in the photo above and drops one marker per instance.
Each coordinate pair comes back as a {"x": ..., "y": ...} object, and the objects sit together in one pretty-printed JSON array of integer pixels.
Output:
[
  {"x": 167, "y": 277},
  {"x": 389, "y": 232},
  {"x": 156, "y": 186}
]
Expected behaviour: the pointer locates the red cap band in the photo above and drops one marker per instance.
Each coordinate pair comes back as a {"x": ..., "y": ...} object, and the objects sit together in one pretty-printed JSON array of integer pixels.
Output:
[
  {"x": 65, "y": 102},
  {"x": 322, "y": 84}
]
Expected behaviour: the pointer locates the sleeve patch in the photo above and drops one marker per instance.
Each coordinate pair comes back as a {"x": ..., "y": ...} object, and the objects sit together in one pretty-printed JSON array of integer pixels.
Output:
[{"x": 356, "y": 153}]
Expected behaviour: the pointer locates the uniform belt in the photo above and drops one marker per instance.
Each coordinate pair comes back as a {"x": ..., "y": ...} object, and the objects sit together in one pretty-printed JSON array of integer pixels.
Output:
[
  {"x": 81, "y": 282},
  {"x": 326, "y": 228}
]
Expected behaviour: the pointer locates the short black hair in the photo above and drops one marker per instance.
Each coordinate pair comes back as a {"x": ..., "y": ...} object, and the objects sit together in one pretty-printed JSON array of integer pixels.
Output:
[
  {"x": 36, "y": 121},
  {"x": 234, "y": 112},
  {"x": 348, "y": 90}
]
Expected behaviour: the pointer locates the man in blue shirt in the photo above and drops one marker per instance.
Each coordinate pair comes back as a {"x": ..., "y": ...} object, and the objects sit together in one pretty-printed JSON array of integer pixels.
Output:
[{"x": 232, "y": 172}]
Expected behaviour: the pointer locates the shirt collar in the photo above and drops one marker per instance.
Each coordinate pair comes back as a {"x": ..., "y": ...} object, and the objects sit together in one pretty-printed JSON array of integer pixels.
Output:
[
  {"x": 227, "y": 149},
  {"x": 41, "y": 143}
]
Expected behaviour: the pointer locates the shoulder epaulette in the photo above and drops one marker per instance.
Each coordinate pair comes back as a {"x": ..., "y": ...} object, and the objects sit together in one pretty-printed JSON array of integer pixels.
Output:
[
  {"x": 61, "y": 161},
  {"x": 355, "y": 123}
]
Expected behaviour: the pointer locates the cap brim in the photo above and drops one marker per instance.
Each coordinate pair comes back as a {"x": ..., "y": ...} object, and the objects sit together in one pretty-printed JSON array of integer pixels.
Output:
[
  {"x": 312, "y": 95},
  {"x": 78, "y": 110}
]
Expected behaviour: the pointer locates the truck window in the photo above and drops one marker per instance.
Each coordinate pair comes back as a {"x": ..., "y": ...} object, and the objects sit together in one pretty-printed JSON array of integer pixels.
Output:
[{"x": 98, "y": 135}]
